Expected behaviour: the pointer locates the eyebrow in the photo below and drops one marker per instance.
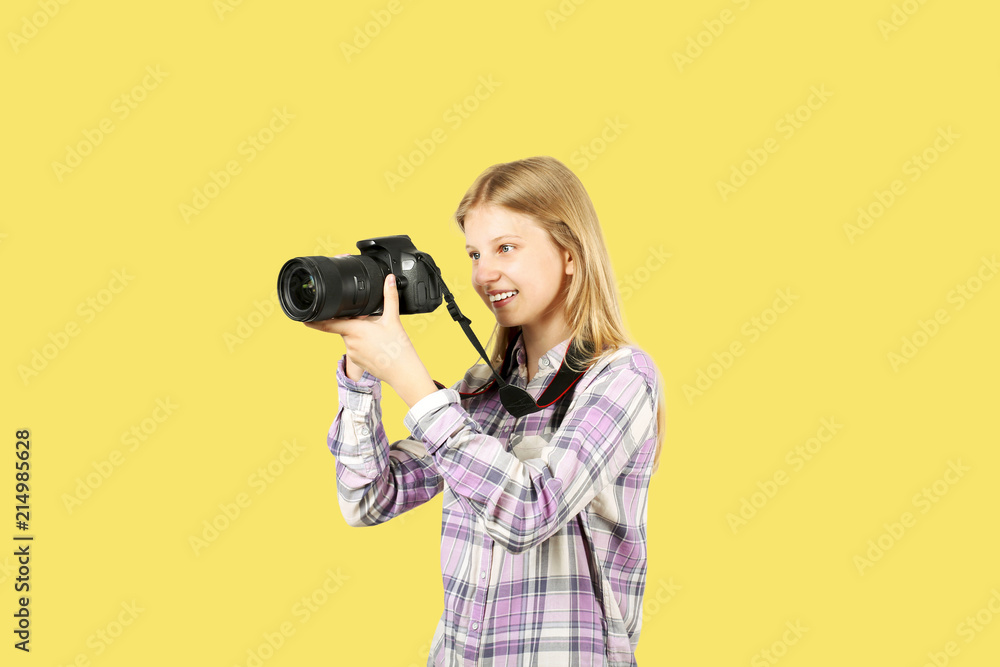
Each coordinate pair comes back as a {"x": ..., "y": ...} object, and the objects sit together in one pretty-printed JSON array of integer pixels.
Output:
[{"x": 500, "y": 238}]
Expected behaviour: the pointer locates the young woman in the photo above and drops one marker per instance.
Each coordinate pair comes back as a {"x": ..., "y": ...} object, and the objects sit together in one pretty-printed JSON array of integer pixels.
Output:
[{"x": 543, "y": 541}]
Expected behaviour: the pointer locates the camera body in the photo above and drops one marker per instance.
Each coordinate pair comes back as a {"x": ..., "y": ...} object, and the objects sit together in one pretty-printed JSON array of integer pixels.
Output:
[{"x": 320, "y": 288}]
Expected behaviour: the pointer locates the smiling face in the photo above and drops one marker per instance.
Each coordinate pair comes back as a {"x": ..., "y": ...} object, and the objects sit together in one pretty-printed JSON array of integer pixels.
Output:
[{"x": 510, "y": 252}]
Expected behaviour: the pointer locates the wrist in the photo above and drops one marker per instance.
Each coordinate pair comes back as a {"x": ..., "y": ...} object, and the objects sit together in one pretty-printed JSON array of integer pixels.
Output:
[
  {"x": 352, "y": 370},
  {"x": 412, "y": 382},
  {"x": 363, "y": 381}
]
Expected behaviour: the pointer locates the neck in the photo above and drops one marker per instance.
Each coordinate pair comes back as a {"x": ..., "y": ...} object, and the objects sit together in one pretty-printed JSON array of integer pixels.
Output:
[{"x": 540, "y": 339}]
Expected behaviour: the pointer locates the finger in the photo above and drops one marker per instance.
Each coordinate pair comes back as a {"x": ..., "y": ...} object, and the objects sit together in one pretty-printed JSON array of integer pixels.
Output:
[
  {"x": 390, "y": 297},
  {"x": 337, "y": 326}
]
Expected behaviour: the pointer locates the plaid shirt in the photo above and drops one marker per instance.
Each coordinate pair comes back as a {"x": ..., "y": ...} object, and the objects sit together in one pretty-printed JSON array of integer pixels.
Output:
[{"x": 543, "y": 538}]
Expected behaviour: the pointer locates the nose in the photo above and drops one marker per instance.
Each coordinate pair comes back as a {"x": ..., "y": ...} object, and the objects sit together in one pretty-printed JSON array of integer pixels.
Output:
[{"x": 485, "y": 272}]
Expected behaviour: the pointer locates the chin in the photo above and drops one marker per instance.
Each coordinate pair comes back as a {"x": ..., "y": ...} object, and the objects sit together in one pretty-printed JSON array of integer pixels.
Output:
[{"x": 505, "y": 320}]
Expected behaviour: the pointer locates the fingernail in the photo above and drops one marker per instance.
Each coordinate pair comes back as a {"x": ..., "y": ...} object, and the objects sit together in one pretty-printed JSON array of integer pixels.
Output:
[{"x": 392, "y": 280}]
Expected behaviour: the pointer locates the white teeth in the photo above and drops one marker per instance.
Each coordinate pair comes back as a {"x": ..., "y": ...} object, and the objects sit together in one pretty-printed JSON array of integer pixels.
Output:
[{"x": 503, "y": 295}]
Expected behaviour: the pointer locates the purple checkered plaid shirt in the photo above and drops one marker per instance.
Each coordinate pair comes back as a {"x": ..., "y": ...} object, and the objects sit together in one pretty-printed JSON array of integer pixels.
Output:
[{"x": 543, "y": 540}]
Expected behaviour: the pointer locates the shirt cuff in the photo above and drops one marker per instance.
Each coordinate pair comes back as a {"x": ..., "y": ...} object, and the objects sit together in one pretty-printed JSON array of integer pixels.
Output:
[
  {"x": 437, "y": 417},
  {"x": 357, "y": 394}
]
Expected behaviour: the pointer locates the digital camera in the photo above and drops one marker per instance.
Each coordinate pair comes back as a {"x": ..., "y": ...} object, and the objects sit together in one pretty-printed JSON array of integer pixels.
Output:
[{"x": 321, "y": 288}]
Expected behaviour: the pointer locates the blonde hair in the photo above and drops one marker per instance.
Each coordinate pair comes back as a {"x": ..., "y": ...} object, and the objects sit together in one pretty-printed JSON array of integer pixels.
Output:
[{"x": 544, "y": 189}]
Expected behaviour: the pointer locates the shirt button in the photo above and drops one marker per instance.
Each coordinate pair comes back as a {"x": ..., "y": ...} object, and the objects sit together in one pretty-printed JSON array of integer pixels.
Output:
[
  {"x": 482, "y": 575},
  {"x": 545, "y": 361},
  {"x": 364, "y": 430},
  {"x": 475, "y": 626}
]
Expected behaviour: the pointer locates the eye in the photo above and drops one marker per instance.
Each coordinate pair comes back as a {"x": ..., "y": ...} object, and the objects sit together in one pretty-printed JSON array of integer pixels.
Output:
[
  {"x": 507, "y": 245},
  {"x": 474, "y": 255}
]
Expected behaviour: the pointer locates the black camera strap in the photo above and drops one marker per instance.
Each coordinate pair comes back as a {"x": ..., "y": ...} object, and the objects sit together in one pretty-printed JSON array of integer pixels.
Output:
[{"x": 517, "y": 401}]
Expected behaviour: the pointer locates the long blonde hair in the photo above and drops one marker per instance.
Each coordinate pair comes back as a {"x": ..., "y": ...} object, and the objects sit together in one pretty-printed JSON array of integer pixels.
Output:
[{"x": 544, "y": 189}]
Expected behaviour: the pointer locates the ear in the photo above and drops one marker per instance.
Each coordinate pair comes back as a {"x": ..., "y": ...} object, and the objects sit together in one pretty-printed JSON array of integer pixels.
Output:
[{"x": 570, "y": 266}]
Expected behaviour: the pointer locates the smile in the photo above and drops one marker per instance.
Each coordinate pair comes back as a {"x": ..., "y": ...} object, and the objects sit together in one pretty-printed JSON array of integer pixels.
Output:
[{"x": 502, "y": 299}]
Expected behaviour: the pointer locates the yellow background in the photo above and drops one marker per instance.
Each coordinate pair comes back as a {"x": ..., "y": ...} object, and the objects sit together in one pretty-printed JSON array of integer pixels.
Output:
[{"x": 320, "y": 186}]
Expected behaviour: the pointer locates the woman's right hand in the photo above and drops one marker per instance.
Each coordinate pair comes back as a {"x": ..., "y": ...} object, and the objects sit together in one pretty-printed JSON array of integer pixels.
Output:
[
  {"x": 380, "y": 345},
  {"x": 353, "y": 370}
]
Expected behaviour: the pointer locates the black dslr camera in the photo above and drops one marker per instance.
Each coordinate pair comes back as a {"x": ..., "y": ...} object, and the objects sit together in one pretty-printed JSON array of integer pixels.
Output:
[{"x": 321, "y": 288}]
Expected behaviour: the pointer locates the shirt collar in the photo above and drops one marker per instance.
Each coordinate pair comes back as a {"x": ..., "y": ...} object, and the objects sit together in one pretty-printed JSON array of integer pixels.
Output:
[{"x": 554, "y": 356}]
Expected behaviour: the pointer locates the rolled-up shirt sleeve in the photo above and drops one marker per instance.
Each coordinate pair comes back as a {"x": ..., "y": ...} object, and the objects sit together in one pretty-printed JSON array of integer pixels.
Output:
[
  {"x": 523, "y": 502},
  {"x": 376, "y": 480}
]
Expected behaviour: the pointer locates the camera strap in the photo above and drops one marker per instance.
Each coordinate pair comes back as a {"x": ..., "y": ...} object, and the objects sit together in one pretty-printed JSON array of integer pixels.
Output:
[{"x": 516, "y": 401}]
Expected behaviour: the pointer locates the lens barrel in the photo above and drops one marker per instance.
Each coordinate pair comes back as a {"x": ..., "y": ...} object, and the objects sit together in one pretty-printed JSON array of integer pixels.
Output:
[{"x": 320, "y": 288}]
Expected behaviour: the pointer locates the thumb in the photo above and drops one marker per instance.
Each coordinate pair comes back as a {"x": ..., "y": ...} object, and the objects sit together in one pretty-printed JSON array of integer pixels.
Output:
[{"x": 390, "y": 297}]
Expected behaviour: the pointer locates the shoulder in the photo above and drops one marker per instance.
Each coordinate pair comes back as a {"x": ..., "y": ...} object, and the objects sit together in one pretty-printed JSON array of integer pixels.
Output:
[
  {"x": 475, "y": 379},
  {"x": 627, "y": 364}
]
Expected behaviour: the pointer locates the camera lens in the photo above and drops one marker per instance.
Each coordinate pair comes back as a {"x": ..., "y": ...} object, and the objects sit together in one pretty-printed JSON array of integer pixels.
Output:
[
  {"x": 320, "y": 288},
  {"x": 302, "y": 289}
]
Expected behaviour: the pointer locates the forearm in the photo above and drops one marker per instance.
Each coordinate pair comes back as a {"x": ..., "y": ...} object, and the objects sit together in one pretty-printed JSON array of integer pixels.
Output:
[
  {"x": 410, "y": 379},
  {"x": 375, "y": 480},
  {"x": 413, "y": 387},
  {"x": 403, "y": 371},
  {"x": 521, "y": 502},
  {"x": 353, "y": 371},
  {"x": 526, "y": 494}
]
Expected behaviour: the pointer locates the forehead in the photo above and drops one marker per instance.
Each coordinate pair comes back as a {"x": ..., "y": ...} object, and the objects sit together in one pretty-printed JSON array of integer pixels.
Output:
[{"x": 484, "y": 224}]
